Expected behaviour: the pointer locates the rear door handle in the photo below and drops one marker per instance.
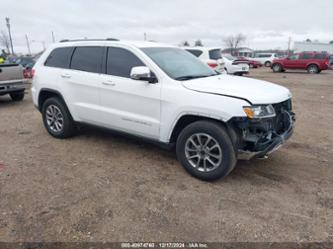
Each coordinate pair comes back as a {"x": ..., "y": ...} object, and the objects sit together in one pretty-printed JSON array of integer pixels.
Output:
[
  {"x": 66, "y": 76},
  {"x": 108, "y": 83}
]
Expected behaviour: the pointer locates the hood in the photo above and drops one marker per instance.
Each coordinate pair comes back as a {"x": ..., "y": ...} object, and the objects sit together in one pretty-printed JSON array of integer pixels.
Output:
[{"x": 255, "y": 91}]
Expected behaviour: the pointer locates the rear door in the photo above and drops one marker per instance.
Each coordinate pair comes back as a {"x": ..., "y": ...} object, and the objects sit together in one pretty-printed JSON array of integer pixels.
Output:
[
  {"x": 81, "y": 82},
  {"x": 303, "y": 61},
  {"x": 129, "y": 105}
]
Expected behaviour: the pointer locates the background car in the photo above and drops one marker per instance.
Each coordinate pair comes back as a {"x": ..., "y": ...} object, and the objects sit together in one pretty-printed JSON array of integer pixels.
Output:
[
  {"x": 211, "y": 56},
  {"x": 25, "y": 61},
  {"x": 313, "y": 62},
  {"x": 252, "y": 63},
  {"x": 235, "y": 66},
  {"x": 265, "y": 58},
  {"x": 331, "y": 61}
]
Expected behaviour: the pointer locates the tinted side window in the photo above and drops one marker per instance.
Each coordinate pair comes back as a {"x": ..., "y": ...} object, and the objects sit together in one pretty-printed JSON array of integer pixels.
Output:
[
  {"x": 306, "y": 56},
  {"x": 195, "y": 52},
  {"x": 59, "y": 57},
  {"x": 294, "y": 57},
  {"x": 215, "y": 54},
  {"x": 320, "y": 56},
  {"x": 120, "y": 62},
  {"x": 87, "y": 59},
  {"x": 264, "y": 55}
]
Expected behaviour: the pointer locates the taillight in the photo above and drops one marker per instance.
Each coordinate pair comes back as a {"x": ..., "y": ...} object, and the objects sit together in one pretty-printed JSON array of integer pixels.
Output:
[
  {"x": 32, "y": 74},
  {"x": 212, "y": 65}
]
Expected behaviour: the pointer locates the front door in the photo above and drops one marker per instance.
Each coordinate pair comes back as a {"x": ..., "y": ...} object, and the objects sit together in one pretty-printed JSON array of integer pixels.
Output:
[
  {"x": 292, "y": 62},
  {"x": 129, "y": 105}
]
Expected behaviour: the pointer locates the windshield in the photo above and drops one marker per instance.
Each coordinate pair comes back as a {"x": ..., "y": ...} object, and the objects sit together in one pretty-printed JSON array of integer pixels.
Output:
[{"x": 178, "y": 63}]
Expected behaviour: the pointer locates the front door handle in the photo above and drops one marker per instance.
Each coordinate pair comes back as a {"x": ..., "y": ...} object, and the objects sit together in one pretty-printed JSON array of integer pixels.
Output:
[
  {"x": 66, "y": 76},
  {"x": 108, "y": 83}
]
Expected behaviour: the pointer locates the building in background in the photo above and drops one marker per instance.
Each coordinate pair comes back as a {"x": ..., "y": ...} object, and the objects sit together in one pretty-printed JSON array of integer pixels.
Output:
[
  {"x": 313, "y": 47},
  {"x": 239, "y": 52}
]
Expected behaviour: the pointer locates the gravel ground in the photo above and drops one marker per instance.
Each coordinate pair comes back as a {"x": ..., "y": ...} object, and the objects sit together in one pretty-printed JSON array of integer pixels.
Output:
[{"x": 99, "y": 186}]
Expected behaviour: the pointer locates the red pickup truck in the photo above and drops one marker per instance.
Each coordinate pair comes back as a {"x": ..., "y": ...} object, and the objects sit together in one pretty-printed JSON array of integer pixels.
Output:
[{"x": 313, "y": 62}]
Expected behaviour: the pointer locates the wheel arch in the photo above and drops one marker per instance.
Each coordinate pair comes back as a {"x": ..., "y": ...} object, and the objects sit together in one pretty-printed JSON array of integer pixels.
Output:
[
  {"x": 46, "y": 93},
  {"x": 312, "y": 64},
  {"x": 188, "y": 119}
]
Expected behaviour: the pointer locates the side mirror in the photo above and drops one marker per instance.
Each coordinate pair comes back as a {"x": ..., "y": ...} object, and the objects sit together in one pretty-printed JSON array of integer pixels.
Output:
[
  {"x": 288, "y": 58},
  {"x": 143, "y": 73}
]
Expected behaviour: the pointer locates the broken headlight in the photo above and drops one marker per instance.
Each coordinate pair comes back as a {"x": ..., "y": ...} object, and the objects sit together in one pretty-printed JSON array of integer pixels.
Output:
[{"x": 259, "y": 111}]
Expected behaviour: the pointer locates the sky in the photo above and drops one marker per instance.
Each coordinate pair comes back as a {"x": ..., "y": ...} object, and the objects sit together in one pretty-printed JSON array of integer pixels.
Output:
[{"x": 267, "y": 24}]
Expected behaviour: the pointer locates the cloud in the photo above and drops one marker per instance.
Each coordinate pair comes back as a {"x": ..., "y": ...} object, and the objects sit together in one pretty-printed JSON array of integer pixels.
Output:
[{"x": 266, "y": 23}]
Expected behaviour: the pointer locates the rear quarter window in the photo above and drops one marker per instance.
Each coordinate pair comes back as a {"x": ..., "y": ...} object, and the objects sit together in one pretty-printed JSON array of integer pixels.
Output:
[
  {"x": 59, "y": 57},
  {"x": 215, "y": 54},
  {"x": 320, "y": 56},
  {"x": 195, "y": 52}
]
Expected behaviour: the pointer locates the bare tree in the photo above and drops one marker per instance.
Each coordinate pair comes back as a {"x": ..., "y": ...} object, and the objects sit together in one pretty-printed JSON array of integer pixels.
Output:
[
  {"x": 4, "y": 40},
  {"x": 198, "y": 43},
  {"x": 308, "y": 40},
  {"x": 233, "y": 41},
  {"x": 185, "y": 44}
]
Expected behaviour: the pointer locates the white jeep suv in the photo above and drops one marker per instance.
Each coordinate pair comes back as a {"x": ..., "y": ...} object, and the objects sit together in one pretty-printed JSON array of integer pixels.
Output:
[{"x": 164, "y": 94}]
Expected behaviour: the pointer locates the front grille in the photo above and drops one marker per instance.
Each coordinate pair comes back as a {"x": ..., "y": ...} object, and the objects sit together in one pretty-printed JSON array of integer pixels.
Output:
[
  {"x": 281, "y": 120},
  {"x": 285, "y": 105}
]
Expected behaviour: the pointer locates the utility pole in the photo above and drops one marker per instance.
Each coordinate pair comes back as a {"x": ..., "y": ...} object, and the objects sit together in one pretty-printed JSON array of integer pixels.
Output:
[
  {"x": 10, "y": 35},
  {"x": 28, "y": 44},
  {"x": 53, "y": 39},
  {"x": 289, "y": 44},
  {"x": 145, "y": 36}
]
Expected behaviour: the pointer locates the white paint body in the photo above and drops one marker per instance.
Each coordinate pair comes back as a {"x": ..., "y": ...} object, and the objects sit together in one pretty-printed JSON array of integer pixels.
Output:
[
  {"x": 203, "y": 53},
  {"x": 265, "y": 57},
  {"x": 235, "y": 69},
  {"x": 145, "y": 109}
]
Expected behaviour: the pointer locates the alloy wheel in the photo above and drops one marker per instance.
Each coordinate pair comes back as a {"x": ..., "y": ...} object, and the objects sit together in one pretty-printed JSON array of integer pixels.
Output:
[
  {"x": 54, "y": 118},
  {"x": 203, "y": 152}
]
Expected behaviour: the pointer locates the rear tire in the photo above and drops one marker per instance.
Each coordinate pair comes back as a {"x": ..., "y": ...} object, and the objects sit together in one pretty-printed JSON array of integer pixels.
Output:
[
  {"x": 17, "y": 96},
  {"x": 57, "y": 119},
  {"x": 205, "y": 150},
  {"x": 313, "y": 69}
]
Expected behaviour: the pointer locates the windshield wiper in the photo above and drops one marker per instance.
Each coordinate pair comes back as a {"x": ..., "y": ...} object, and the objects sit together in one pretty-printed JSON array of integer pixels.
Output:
[{"x": 189, "y": 77}]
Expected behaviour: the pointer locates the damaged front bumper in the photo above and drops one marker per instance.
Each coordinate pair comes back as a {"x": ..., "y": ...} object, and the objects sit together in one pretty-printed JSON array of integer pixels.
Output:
[{"x": 259, "y": 138}]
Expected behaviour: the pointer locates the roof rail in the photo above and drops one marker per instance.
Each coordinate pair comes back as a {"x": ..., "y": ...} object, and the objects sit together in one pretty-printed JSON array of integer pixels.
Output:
[{"x": 107, "y": 39}]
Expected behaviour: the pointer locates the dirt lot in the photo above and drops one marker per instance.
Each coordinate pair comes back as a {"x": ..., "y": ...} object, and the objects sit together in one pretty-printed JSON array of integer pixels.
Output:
[{"x": 99, "y": 186}]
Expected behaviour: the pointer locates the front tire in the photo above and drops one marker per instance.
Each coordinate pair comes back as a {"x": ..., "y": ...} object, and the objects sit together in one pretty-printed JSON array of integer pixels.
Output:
[
  {"x": 205, "y": 150},
  {"x": 277, "y": 68},
  {"x": 17, "y": 96},
  {"x": 268, "y": 64},
  {"x": 57, "y": 119}
]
